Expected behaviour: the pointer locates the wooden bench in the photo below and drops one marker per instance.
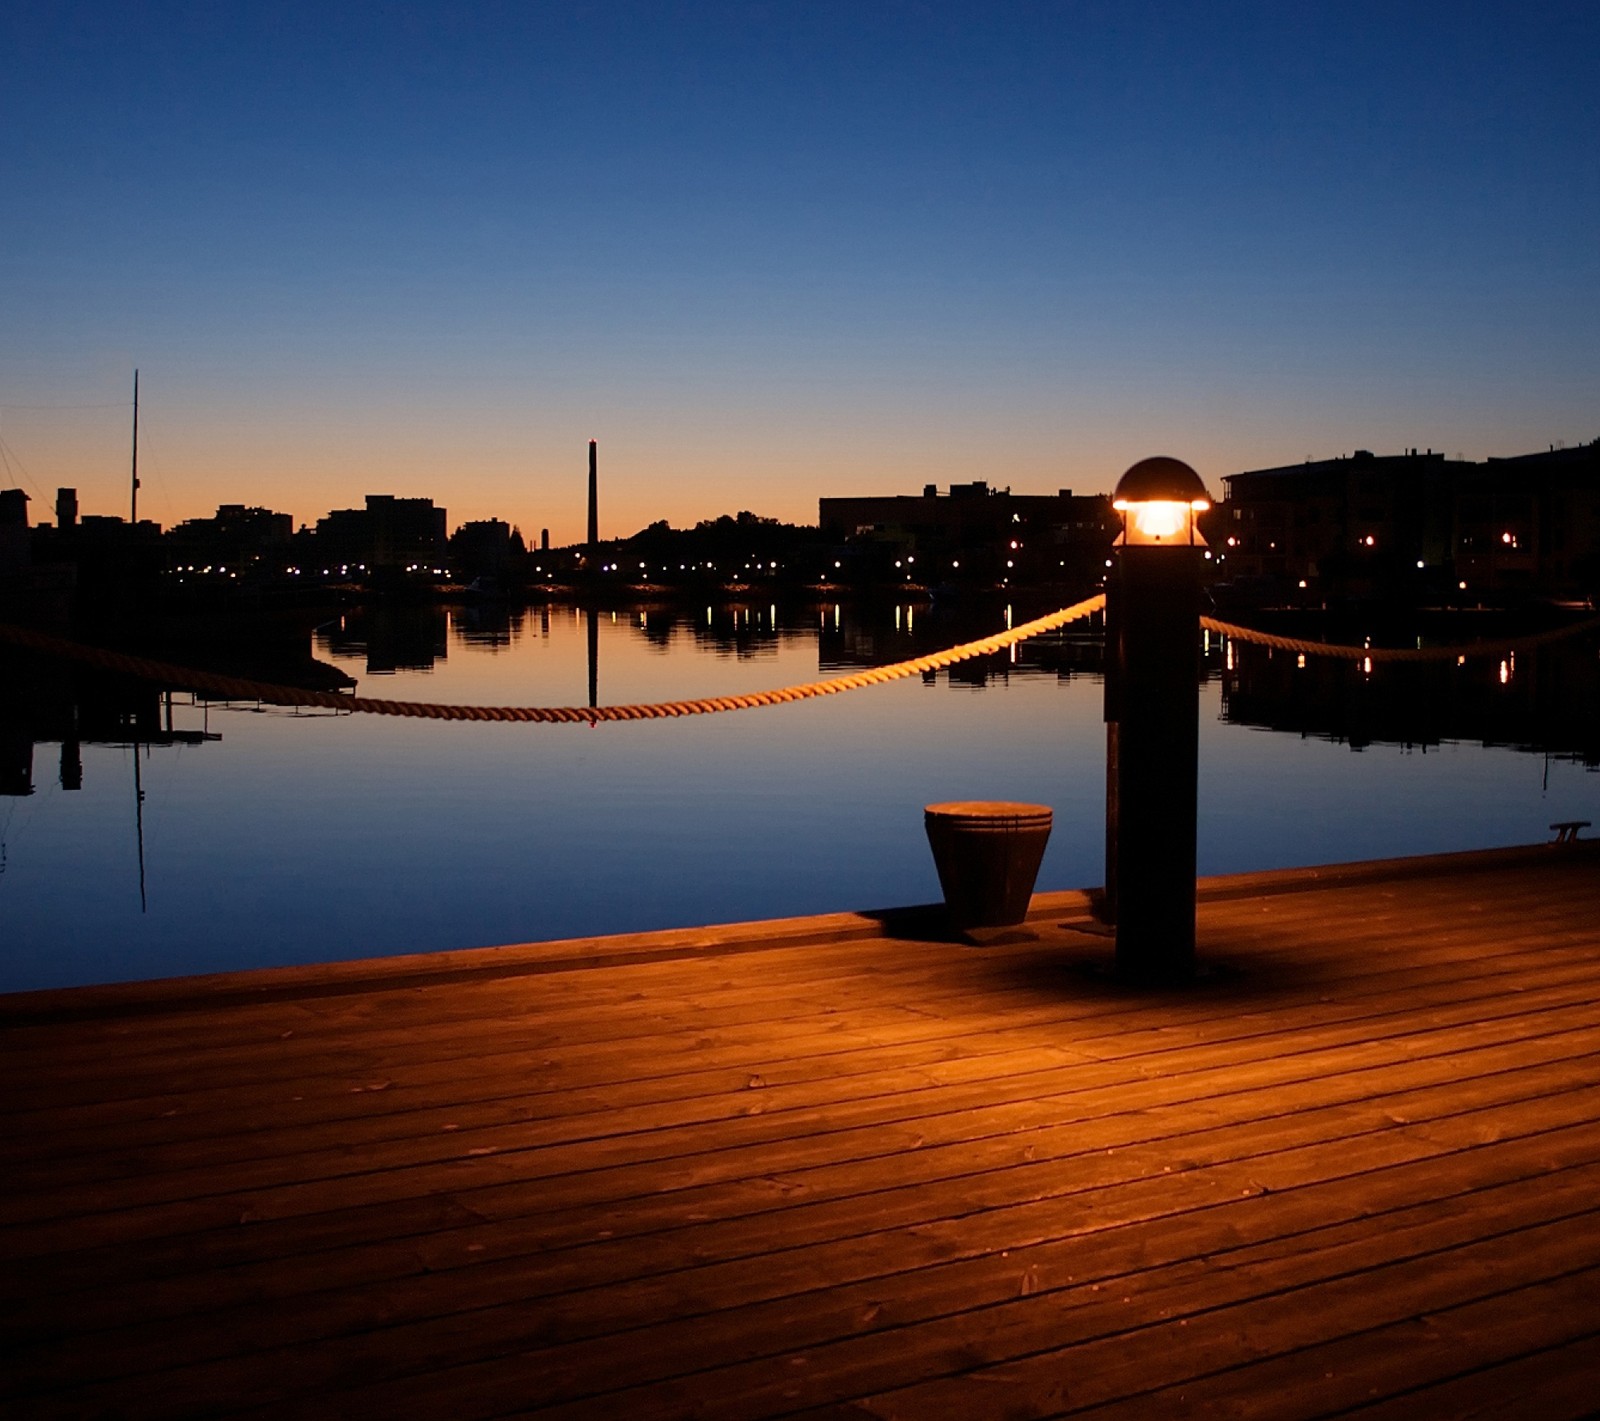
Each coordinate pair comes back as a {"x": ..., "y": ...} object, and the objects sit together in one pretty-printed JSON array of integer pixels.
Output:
[{"x": 1567, "y": 830}]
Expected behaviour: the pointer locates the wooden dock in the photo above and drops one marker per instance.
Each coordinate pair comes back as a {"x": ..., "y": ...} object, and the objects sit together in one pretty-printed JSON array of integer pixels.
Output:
[{"x": 837, "y": 1167}]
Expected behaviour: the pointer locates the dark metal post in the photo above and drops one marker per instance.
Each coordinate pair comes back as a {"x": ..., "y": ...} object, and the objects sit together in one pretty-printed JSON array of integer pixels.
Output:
[
  {"x": 1113, "y": 713},
  {"x": 1153, "y": 709}
]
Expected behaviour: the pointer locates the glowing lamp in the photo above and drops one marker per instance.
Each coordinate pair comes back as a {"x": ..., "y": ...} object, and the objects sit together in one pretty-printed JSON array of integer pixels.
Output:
[{"x": 1159, "y": 500}]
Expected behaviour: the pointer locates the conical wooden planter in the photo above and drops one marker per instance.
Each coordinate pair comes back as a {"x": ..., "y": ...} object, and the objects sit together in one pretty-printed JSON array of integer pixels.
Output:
[{"x": 988, "y": 854}]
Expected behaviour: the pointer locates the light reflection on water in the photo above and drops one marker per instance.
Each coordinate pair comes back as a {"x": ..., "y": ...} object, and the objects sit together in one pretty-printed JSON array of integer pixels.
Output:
[{"x": 312, "y": 838}]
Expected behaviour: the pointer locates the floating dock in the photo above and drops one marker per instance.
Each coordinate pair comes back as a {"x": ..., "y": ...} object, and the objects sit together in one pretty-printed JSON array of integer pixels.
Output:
[{"x": 837, "y": 1167}]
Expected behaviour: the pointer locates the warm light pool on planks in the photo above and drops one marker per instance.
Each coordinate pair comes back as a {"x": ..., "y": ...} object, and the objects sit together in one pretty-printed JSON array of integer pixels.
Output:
[{"x": 837, "y": 1167}]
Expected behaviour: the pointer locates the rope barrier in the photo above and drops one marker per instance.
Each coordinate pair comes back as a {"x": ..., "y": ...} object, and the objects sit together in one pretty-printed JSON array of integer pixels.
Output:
[
  {"x": 237, "y": 688},
  {"x": 1395, "y": 653}
]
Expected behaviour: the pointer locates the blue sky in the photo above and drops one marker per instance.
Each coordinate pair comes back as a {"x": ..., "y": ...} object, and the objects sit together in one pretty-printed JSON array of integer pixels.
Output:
[{"x": 767, "y": 252}]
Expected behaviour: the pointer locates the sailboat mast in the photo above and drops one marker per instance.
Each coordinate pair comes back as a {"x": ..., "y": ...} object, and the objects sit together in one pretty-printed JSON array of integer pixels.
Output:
[{"x": 133, "y": 508}]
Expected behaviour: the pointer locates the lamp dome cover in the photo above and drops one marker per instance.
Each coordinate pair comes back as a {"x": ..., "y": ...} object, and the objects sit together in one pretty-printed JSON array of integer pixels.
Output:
[{"x": 1161, "y": 480}]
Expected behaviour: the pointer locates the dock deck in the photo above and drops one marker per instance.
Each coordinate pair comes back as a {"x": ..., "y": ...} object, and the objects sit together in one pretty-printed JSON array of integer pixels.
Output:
[{"x": 837, "y": 1167}]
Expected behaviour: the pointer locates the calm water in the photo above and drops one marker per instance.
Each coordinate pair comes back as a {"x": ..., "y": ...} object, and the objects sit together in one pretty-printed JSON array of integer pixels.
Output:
[{"x": 305, "y": 838}]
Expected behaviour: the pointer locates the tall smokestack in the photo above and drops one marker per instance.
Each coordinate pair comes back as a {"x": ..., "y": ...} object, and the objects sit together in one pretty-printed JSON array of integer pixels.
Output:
[{"x": 594, "y": 500}]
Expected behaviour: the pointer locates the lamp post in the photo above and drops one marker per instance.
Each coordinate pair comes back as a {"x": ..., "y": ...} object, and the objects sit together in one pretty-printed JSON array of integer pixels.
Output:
[{"x": 1153, "y": 718}]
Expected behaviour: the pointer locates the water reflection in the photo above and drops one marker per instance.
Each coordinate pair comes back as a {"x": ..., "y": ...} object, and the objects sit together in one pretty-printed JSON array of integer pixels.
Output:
[
  {"x": 16, "y": 763},
  {"x": 744, "y": 631},
  {"x": 44, "y": 703},
  {"x": 315, "y": 838},
  {"x": 1544, "y": 700},
  {"x": 490, "y": 625},
  {"x": 592, "y": 630},
  {"x": 390, "y": 637}
]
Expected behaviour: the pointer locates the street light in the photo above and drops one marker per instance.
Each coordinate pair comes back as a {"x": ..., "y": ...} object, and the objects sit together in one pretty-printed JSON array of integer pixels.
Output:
[
  {"x": 1158, "y": 499},
  {"x": 1152, "y": 719}
]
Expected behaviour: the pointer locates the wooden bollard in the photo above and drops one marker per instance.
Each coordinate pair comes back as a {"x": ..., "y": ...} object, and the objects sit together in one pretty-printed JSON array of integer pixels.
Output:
[{"x": 988, "y": 854}]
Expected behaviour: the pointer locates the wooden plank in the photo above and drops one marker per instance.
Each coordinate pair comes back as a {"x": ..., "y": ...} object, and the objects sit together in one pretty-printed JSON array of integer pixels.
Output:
[
  {"x": 925, "y": 1032},
  {"x": 1388, "y": 1094},
  {"x": 664, "y": 1344},
  {"x": 309, "y": 1323},
  {"x": 685, "y": 1040},
  {"x": 1316, "y": 1064},
  {"x": 1024, "y": 1358},
  {"x": 419, "y": 1114},
  {"x": 477, "y": 1000},
  {"x": 1545, "y": 1318},
  {"x": 807, "y": 1135},
  {"x": 1551, "y": 1383},
  {"x": 478, "y": 1243}
]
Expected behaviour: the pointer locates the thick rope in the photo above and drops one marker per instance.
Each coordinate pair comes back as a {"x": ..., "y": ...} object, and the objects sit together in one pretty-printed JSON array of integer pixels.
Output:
[
  {"x": 236, "y": 688},
  {"x": 1395, "y": 653}
]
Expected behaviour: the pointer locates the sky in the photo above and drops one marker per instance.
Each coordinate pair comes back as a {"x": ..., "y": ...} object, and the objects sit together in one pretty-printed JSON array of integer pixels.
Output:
[{"x": 769, "y": 252}]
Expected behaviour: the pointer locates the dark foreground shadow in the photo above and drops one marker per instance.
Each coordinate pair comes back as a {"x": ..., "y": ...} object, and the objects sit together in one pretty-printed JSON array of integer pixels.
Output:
[
  {"x": 1079, "y": 960},
  {"x": 1076, "y": 958},
  {"x": 927, "y": 922}
]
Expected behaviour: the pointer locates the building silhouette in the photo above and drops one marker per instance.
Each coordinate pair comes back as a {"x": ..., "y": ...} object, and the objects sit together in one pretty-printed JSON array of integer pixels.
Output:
[
  {"x": 973, "y": 533},
  {"x": 488, "y": 547},
  {"x": 390, "y": 534},
  {"x": 1531, "y": 524},
  {"x": 240, "y": 539},
  {"x": 1413, "y": 526}
]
